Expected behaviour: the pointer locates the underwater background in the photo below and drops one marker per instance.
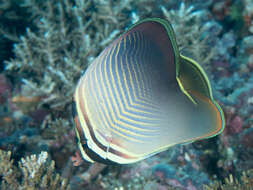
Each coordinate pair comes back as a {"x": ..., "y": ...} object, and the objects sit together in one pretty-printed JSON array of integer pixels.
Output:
[{"x": 46, "y": 45}]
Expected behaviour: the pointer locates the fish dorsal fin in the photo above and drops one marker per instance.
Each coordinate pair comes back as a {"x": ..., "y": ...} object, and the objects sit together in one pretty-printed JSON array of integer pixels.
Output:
[
  {"x": 161, "y": 33},
  {"x": 195, "y": 84},
  {"x": 192, "y": 77}
]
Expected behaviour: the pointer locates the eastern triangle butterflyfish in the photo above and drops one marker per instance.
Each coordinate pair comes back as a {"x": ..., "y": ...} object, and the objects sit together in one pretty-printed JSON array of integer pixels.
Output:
[{"x": 140, "y": 96}]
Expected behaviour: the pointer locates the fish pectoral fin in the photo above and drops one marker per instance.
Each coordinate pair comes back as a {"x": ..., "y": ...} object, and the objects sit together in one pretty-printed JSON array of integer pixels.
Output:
[{"x": 185, "y": 91}]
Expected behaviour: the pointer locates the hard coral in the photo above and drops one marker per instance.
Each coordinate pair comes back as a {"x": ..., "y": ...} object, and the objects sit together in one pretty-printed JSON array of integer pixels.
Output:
[
  {"x": 248, "y": 14},
  {"x": 244, "y": 183},
  {"x": 195, "y": 40},
  {"x": 34, "y": 172},
  {"x": 70, "y": 34}
]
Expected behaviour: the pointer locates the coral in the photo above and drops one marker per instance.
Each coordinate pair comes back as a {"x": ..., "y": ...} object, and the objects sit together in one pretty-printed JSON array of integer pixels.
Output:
[
  {"x": 225, "y": 46},
  {"x": 33, "y": 172},
  {"x": 59, "y": 130},
  {"x": 60, "y": 43},
  {"x": 12, "y": 13},
  {"x": 245, "y": 55},
  {"x": 137, "y": 182},
  {"x": 68, "y": 36},
  {"x": 245, "y": 182},
  {"x": 87, "y": 177},
  {"x": 230, "y": 13},
  {"x": 59, "y": 136},
  {"x": 51, "y": 59},
  {"x": 244, "y": 150},
  {"x": 195, "y": 40},
  {"x": 248, "y": 14},
  {"x": 8, "y": 172},
  {"x": 234, "y": 90},
  {"x": 234, "y": 124},
  {"x": 182, "y": 170},
  {"x": 220, "y": 9}
]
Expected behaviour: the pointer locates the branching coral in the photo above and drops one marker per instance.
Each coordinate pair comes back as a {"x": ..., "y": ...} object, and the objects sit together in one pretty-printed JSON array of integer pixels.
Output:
[
  {"x": 194, "y": 35},
  {"x": 12, "y": 14},
  {"x": 34, "y": 172},
  {"x": 231, "y": 183},
  {"x": 59, "y": 133},
  {"x": 8, "y": 171},
  {"x": 71, "y": 33}
]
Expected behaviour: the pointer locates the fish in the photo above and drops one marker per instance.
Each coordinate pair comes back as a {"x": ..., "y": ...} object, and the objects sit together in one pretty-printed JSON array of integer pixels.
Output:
[{"x": 141, "y": 96}]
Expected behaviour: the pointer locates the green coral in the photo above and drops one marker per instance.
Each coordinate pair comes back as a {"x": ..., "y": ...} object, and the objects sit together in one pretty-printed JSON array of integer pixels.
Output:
[{"x": 33, "y": 172}]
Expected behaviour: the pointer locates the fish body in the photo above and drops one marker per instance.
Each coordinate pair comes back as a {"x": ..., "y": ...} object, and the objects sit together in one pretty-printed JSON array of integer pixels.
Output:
[{"x": 140, "y": 96}]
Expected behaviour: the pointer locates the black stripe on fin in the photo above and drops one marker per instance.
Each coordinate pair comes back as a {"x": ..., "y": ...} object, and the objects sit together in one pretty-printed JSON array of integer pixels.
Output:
[{"x": 95, "y": 157}]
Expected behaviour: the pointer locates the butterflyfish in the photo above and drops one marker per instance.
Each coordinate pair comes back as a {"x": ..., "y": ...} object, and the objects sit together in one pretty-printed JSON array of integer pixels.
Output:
[{"x": 140, "y": 96}]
